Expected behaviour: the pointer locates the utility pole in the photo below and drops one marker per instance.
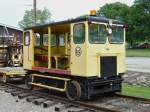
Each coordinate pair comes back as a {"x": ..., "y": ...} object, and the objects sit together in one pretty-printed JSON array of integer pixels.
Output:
[{"x": 34, "y": 12}]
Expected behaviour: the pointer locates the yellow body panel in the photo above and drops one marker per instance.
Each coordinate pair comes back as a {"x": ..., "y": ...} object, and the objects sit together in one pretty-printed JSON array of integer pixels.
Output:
[
  {"x": 28, "y": 55},
  {"x": 49, "y": 47},
  {"x": 94, "y": 52},
  {"x": 78, "y": 63}
]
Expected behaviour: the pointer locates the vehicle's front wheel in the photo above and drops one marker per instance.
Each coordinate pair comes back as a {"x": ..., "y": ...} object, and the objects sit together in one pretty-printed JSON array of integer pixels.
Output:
[{"x": 73, "y": 90}]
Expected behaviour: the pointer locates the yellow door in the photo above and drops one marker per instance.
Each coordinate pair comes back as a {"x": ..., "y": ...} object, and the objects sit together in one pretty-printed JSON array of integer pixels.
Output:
[
  {"x": 28, "y": 49},
  {"x": 78, "y": 51}
]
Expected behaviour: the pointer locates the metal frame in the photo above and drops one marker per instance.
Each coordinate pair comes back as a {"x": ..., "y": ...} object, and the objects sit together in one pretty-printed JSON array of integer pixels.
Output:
[{"x": 50, "y": 77}]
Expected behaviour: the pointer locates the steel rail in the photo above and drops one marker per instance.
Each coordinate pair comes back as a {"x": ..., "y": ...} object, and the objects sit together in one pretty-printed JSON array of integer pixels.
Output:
[
  {"x": 133, "y": 97},
  {"x": 82, "y": 104},
  {"x": 62, "y": 99}
]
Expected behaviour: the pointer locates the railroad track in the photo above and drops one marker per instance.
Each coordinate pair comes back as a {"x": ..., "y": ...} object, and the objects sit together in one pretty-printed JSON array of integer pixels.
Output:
[{"x": 115, "y": 103}]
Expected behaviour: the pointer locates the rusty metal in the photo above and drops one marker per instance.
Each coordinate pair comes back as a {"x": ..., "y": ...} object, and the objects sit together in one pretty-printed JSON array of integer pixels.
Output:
[{"x": 7, "y": 35}]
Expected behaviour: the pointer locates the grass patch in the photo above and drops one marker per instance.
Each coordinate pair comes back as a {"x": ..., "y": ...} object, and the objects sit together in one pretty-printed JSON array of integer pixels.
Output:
[
  {"x": 136, "y": 91},
  {"x": 138, "y": 52}
]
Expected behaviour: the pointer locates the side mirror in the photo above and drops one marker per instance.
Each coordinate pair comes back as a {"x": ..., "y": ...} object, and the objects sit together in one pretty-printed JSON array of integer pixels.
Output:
[{"x": 109, "y": 31}]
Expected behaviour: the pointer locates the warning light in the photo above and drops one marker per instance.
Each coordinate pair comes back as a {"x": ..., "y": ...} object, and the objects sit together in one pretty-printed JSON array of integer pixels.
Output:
[{"x": 93, "y": 12}]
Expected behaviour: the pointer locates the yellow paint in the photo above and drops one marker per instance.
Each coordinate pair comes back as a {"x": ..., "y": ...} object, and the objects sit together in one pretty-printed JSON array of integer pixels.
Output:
[
  {"x": 56, "y": 59},
  {"x": 78, "y": 64},
  {"x": 41, "y": 50},
  {"x": 28, "y": 51},
  {"x": 49, "y": 47},
  {"x": 61, "y": 50},
  {"x": 93, "y": 57},
  {"x": 66, "y": 43}
]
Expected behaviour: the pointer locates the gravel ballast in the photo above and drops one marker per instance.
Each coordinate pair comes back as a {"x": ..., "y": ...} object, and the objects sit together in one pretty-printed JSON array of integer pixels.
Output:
[
  {"x": 137, "y": 78},
  {"x": 9, "y": 103}
]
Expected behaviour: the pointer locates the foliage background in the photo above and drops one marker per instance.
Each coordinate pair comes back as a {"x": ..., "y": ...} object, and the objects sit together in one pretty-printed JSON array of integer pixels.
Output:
[
  {"x": 137, "y": 18},
  {"x": 43, "y": 17}
]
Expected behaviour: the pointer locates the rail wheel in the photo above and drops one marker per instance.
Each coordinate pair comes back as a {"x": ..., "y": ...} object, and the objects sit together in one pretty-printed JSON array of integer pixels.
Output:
[
  {"x": 28, "y": 80},
  {"x": 73, "y": 90},
  {"x": 5, "y": 78}
]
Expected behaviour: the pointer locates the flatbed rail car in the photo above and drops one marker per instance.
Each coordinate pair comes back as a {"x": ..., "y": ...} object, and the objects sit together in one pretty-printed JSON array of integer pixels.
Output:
[
  {"x": 83, "y": 57},
  {"x": 11, "y": 72}
]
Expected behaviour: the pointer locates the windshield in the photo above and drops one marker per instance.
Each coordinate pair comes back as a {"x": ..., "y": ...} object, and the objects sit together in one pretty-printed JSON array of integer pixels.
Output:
[
  {"x": 117, "y": 34},
  {"x": 97, "y": 33}
]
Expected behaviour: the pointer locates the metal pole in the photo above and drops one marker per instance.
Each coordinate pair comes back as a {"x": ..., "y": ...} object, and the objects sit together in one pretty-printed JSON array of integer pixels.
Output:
[{"x": 34, "y": 12}]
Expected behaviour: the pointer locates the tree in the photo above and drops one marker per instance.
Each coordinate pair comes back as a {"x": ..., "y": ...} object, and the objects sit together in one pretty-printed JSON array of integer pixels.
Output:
[
  {"x": 136, "y": 17},
  {"x": 140, "y": 20},
  {"x": 43, "y": 16},
  {"x": 120, "y": 12},
  {"x": 144, "y": 4},
  {"x": 114, "y": 11}
]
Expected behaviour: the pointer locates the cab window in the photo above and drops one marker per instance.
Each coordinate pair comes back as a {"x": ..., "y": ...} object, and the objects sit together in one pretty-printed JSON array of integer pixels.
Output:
[
  {"x": 79, "y": 33},
  {"x": 62, "y": 40},
  {"x": 37, "y": 39},
  {"x": 97, "y": 33},
  {"x": 45, "y": 39},
  {"x": 27, "y": 38},
  {"x": 53, "y": 40}
]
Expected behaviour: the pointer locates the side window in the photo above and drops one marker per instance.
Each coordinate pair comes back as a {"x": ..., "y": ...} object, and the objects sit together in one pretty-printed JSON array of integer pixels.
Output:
[
  {"x": 37, "y": 39},
  {"x": 79, "y": 33},
  {"x": 27, "y": 38},
  {"x": 117, "y": 34},
  {"x": 62, "y": 40},
  {"x": 45, "y": 39},
  {"x": 53, "y": 40}
]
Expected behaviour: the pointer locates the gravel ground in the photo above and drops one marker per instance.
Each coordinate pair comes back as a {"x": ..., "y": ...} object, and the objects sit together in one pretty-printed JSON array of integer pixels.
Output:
[
  {"x": 9, "y": 103},
  {"x": 12, "y": 104},
  {"x": 137, "y": 78},
  {"x": 123, "y": 104}
]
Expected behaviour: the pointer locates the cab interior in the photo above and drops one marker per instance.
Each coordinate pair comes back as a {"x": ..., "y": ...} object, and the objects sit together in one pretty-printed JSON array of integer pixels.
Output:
[{"x": 59, "y": 47}]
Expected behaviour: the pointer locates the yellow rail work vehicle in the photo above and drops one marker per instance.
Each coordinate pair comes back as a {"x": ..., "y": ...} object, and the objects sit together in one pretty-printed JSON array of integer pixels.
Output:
[{"x": 82, "y": 57}]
